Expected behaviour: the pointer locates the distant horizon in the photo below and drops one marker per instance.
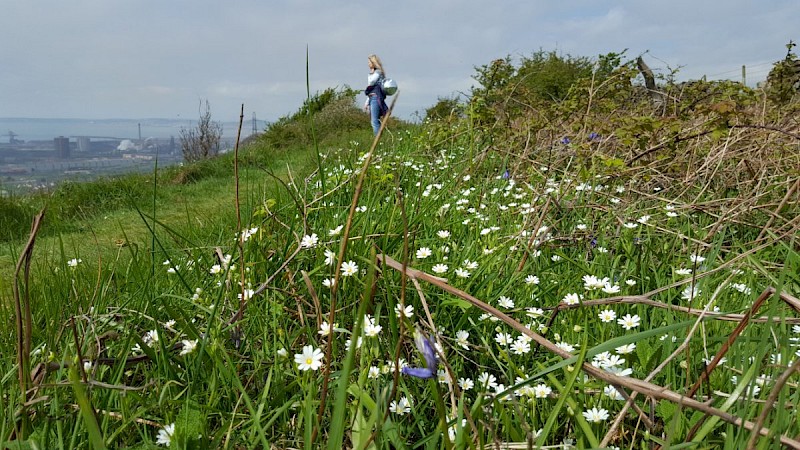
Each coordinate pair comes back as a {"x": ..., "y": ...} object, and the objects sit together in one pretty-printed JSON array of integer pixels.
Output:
[
  {"x": 40, "y": 129},
  {"x": 127, "y": 119}
]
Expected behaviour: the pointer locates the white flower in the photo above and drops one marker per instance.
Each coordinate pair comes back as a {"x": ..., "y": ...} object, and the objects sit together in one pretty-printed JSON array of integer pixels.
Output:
[
  {"x": 349, "y": 342},
  {"x": 625, "y": 349},
  {"x": 151, "y": 337},
  {"x": 247, "y": 234},
  {"x": 465, "y": 383},
  {"x": 87, "y": 366},
  {"x": 591, "y": 282},
  {"x": 328, "y": 282},
  {"x": 503, "y": 338},
  {"x": 596, "y": 415},
  {"x": 696, "y": 259},
  {"x": 629, "y": 321},
  {"x": 403, "y": 406},
  {"x": 371, "y": 327},
  {"x": 215, "y": 269},
  {"x": 325, "y": 328},
  {"x": 608, "y": 288},
  {"x": 309, "y": 241},
  {"x": 164, "y": 436},
  {"x": 335, "y": 231},
  {"x": 471, "y": 265},
  {"x": 439, "y": 268},
  {"x": 374, "y": 372},
  {"x": 572, "y": 299},
  {"x": 643, "y": 219},
  {"x": 505, "y": 302},
  {"x": 443, "y": 234},
  {"x": 534, "y": 313},
  {"x": 683, "y": 271},
  {"x": 423, "y": 253},
  {"x": 607, "y": 315},
  {"x": 569, "y": 348},
  {"x": 521, "y": 346},
  {"x": 349, "y": 268},
  {"x": 461, "y": 339},
  {"x": 462, "y": 273},
  {"x": 330, "y": 257},
  {"x": 542, "y": 391},
  {"x": 487, "y": 380},
  {"x": 74, "y": 262},
  {"x": 741, "y": 287},
  {"x": 612, "y": 393},
  {"x": 310, "y": 359},
  {"x": 188, "y": 346},
  {"x": 630, "y": 225},
  {"x": 282, "y": 352},
  {"x": 630, "y": 282},
  {"x": 531, "y": 279},
  {"x": 407, "y": 312},
  {"x": 690, "y": 292}
]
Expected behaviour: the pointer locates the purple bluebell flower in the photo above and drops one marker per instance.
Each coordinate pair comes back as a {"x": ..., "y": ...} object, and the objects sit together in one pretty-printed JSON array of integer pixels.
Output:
[
  {"x": 565, "y": 140},
  {"x": 593, "y": 136},
  {"x": 425, "y": 346},
  {"x": 506, "y": 174}
]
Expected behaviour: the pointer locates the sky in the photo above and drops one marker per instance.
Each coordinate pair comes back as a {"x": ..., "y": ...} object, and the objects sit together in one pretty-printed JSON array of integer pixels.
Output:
[{"x": 136, "y": 59}]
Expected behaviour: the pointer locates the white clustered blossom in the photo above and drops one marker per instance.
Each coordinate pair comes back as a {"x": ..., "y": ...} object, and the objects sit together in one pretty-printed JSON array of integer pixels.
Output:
[
  {"x": 439, "y": 268},
  {"x": 572, "y": 299},
  {"x": 423, "y": 253},
  {"x": 349, "y": 268},
  {"x": 595, "y": 415},
  {"x": 164, "y": 436},
  {"x": 309, "y": 241},
  {"x": 461, "y": 339},
  {"x": 401, "y": 407},
  {"x": 371, "y": 327},
  {"x": 531, "y": 279},
  {"x": 74, "y": 262},
  {"x": 188, "y": 346},
  {"x": 407, "y": 312}
]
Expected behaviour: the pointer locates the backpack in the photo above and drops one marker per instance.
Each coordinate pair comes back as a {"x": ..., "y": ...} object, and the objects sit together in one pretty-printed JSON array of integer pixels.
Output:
[{"x": 389, "y": 86}]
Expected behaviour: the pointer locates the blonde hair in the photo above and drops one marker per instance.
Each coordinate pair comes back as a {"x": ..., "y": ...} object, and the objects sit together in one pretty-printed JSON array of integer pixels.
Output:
[{"x": 376, "y": 63}]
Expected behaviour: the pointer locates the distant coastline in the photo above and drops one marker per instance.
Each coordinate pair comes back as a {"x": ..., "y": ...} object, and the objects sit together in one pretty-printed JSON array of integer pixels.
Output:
[{"x": 36, "y": 129}]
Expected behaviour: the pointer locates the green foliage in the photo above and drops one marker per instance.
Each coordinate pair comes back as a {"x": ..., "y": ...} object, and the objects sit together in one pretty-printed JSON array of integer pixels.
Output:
[
  {"x": 72, "y": 201},
  {"x": 540, "y": 80},
  {"x": 783, "y": 81},
  {"x": 334, "y": 113},
  {"x": 446, "y": 109},
  {"x": 16, "y": 215},
  {"x": 472, "y": 194}
]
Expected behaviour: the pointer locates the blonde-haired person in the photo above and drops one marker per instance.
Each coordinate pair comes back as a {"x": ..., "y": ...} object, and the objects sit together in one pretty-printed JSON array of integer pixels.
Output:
[{"x": 376, "y": 98}]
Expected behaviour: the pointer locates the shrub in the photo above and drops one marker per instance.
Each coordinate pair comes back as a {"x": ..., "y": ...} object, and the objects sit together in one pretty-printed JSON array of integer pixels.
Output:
[
  {"x": 203, "y": 141},
  {"x": 334, "y": 113}
]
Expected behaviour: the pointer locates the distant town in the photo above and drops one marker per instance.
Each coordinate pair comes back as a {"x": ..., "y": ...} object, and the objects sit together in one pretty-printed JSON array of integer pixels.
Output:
[{"x": 37, "y": 164}]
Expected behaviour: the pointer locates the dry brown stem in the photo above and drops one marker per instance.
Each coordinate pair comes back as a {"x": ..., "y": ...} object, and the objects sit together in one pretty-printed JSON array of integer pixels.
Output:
[{"x": 641, "y": 386}]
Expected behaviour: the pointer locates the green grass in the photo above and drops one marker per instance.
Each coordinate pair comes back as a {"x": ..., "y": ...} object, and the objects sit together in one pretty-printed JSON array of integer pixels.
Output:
[{"x": 148, "y": 306}]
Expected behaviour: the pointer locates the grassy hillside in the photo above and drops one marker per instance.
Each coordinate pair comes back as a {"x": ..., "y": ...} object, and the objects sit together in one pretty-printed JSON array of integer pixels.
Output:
[{"x": 564, "y": 259}]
